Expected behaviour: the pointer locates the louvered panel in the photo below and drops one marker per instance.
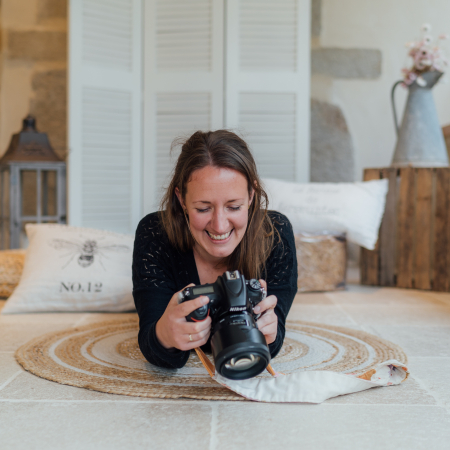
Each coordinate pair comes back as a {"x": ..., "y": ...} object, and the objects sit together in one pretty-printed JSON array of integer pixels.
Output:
[
  {"x": 107, "y": 33},
  {"x": 178, "y": 115},
  {"x": 184, "y": 35},
  {"x": 268, "y": 35},
  {"x": 106, "y": 156},
  {"x": 268, "y": 121}
]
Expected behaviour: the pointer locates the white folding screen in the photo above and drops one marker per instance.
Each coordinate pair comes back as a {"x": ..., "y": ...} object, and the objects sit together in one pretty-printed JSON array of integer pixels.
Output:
[
  {"x": 183, "y": 81},
  {"x": 105, "y": 113},
  {"x": 197, "y": 64},
  {"x": 237, "y": 64},
  {"x": 267, "y": 82}
]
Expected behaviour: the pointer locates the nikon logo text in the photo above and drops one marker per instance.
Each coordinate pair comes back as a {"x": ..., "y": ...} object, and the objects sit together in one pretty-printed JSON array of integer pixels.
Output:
[{"x": 237, "y": 308}]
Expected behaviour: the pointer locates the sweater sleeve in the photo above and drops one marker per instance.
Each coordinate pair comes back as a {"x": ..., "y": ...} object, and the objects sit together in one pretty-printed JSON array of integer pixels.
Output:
[
  {"x": 153, "y": 287},
  {"x": 282, "y": 273}
]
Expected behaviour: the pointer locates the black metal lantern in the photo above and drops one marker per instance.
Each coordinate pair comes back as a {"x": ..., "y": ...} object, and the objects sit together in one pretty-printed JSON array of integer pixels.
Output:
[{"x": 33, "y": 185}]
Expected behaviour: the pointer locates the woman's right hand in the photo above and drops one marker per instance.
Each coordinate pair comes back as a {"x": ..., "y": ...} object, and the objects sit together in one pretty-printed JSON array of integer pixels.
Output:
[{"x": 174, "y": 331}]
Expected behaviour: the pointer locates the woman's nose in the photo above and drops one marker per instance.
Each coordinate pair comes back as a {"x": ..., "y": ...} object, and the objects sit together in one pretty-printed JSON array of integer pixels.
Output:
[{"x": 219, "y": 222}]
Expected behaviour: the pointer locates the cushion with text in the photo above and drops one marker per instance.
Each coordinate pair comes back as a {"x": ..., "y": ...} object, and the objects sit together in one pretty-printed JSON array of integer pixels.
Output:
[{"x": 74, "y": 269}]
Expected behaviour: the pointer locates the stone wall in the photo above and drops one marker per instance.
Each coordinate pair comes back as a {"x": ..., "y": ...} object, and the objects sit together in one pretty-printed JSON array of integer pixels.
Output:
[
  {"x": 33, "y": 68},
  {"x": 332, "y": 150},
  {"x": 357, "y": 53}
]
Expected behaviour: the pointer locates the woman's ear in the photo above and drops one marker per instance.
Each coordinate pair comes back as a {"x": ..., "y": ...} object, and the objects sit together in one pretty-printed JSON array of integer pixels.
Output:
[{"x": 180, "y": 199}]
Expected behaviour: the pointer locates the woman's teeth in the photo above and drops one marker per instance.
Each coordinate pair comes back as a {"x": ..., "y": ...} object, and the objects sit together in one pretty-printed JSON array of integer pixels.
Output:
[{"x": 219, "y": 237}]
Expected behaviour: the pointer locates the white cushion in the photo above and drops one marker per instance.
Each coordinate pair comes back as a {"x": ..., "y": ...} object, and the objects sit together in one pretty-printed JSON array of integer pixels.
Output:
[
  {"x": 354, "y": 208},
  {"x": 74, "y": 269}
]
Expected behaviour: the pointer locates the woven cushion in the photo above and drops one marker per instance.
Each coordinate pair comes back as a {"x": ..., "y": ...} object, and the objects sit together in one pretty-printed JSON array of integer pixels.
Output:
[
  {"x": 322, "y": 261},
  {"x": 11, "y": 266}
]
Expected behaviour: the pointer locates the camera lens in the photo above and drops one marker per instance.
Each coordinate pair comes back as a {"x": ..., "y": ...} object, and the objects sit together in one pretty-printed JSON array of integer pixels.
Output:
[
  {"x": 244, "y": 363},
  {"x": 239, "y": 348}
]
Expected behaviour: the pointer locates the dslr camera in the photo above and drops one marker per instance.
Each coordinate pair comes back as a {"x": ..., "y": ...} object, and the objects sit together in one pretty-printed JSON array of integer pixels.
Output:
[{"x": 239, "y": 349}]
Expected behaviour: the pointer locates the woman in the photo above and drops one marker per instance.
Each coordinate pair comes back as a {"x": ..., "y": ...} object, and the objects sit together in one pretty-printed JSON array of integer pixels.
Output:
[{"x": 213, "y": 218}]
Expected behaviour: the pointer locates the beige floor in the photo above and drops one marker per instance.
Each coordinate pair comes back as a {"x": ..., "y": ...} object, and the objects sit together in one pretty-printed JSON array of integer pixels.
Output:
[{"x": 39, "y": 414}]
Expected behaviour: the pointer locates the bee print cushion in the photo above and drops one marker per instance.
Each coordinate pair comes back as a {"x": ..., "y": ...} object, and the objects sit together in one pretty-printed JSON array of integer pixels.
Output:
[{"x": 74, "y": 269}]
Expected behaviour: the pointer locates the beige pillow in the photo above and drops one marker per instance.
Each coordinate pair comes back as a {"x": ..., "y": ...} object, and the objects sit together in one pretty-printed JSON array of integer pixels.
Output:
[
  {"x": 11, "y": 266},
  {"x": 74, "y": 269}
]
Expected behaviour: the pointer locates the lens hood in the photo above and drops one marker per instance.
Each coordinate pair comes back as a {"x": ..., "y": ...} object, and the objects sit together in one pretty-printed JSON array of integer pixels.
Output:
[{"x": 240, "y": 351}]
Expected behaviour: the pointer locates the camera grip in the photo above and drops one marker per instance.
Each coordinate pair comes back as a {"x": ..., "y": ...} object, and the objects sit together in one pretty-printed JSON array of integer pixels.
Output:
[{"x": 199, "y": 314}]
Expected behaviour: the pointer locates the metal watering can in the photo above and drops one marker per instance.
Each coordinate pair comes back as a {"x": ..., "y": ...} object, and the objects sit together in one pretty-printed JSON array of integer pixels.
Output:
[{"x": 420, "y": 142}]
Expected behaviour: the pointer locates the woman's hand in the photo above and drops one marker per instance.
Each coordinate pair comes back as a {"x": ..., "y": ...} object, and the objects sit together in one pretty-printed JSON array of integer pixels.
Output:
[
  {"x": 268, "y": 321},
  {"x": 174, "y": 331}
]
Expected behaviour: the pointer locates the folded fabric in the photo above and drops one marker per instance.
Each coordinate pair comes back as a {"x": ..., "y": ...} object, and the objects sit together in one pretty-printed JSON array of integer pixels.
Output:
[{"x": 315, "y": 386}]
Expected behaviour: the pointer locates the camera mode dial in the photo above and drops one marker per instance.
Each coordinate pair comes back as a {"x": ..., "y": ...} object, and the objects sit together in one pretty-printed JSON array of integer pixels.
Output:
[{"x": 254, "y": 284}]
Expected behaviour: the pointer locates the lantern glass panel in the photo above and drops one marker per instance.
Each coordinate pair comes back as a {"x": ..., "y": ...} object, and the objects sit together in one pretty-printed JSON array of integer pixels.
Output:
[
  {"x": 48, "y": 192},
  {"x": 28, "y": 184},
  {"x": 4, "y": 210}
]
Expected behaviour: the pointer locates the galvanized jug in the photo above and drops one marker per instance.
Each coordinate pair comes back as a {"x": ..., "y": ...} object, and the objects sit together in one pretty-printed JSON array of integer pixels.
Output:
[{"x": 420, "y": 142}]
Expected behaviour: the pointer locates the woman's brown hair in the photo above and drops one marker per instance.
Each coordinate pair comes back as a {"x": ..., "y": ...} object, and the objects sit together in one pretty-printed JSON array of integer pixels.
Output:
[{"x": 222, "y": 149}]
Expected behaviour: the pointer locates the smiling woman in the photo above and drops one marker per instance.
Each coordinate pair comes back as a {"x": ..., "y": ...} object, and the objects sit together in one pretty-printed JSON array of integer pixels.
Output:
[{"x": 213, "y": 218}]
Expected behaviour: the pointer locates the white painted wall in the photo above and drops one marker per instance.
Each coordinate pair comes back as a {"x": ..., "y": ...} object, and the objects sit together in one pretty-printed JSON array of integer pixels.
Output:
[{"x": 385, "y": 25}]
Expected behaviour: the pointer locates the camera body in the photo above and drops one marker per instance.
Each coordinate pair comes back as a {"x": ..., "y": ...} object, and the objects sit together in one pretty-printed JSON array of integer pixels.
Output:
[{"x": 239, "y": 349}]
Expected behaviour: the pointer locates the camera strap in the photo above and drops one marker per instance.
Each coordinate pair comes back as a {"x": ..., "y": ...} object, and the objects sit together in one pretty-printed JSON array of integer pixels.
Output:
[{"x": 209, "y": 366}]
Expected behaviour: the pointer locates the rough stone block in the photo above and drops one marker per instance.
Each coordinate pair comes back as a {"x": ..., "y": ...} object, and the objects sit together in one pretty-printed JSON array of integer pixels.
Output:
[
  {"x": 316, "y": 18},
  {"x": 49, "y": 106},
  {"x": 346, "y": 63},
  {"x": 332, "y": 154},
  {"x": 50, "y": 9},
  {"x": 37, "y": 45}
]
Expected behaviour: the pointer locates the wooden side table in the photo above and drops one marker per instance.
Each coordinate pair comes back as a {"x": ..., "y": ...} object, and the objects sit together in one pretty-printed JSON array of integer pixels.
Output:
[{"x": 413, "y": 248}]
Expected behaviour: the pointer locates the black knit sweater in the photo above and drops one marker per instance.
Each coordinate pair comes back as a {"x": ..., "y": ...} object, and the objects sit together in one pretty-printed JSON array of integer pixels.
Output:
[{"x": 160, "y": 270}]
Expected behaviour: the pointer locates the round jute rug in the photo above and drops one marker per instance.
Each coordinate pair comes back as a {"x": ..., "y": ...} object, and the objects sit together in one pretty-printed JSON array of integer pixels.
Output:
[{"x": 105, "y": 357}]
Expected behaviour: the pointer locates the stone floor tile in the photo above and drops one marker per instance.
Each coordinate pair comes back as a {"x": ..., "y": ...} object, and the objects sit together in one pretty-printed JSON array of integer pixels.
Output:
[
  {"x": 426, "y": 315},
  {"x": 326, "y": 314},
  {"x": 12, "y": 336},
  {"x": 434, "y": 375},
  {"x": 309, "y": 298},
  {"x": 387, "y": 297},
  {"x": 327, "y": 426},
  {"x": 8, "y": 367},
  {"x": 354, "y": 287},
  {"x": 39, "y": 318},
  {"x": 31, "y": 387},
  {"x": 109, "y": 426},
  {"x": 444, "y": 297},
  {"x": 410, "y": 392},
  {"x": 417, "y": 341}
]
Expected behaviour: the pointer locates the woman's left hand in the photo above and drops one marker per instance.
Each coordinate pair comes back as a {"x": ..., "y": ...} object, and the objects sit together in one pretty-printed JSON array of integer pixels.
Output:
[{"x": 268, "y": 321}]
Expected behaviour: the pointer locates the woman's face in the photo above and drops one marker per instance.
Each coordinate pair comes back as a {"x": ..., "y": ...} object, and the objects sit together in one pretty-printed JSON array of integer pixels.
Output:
[{"x": 217, "y": 203}]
